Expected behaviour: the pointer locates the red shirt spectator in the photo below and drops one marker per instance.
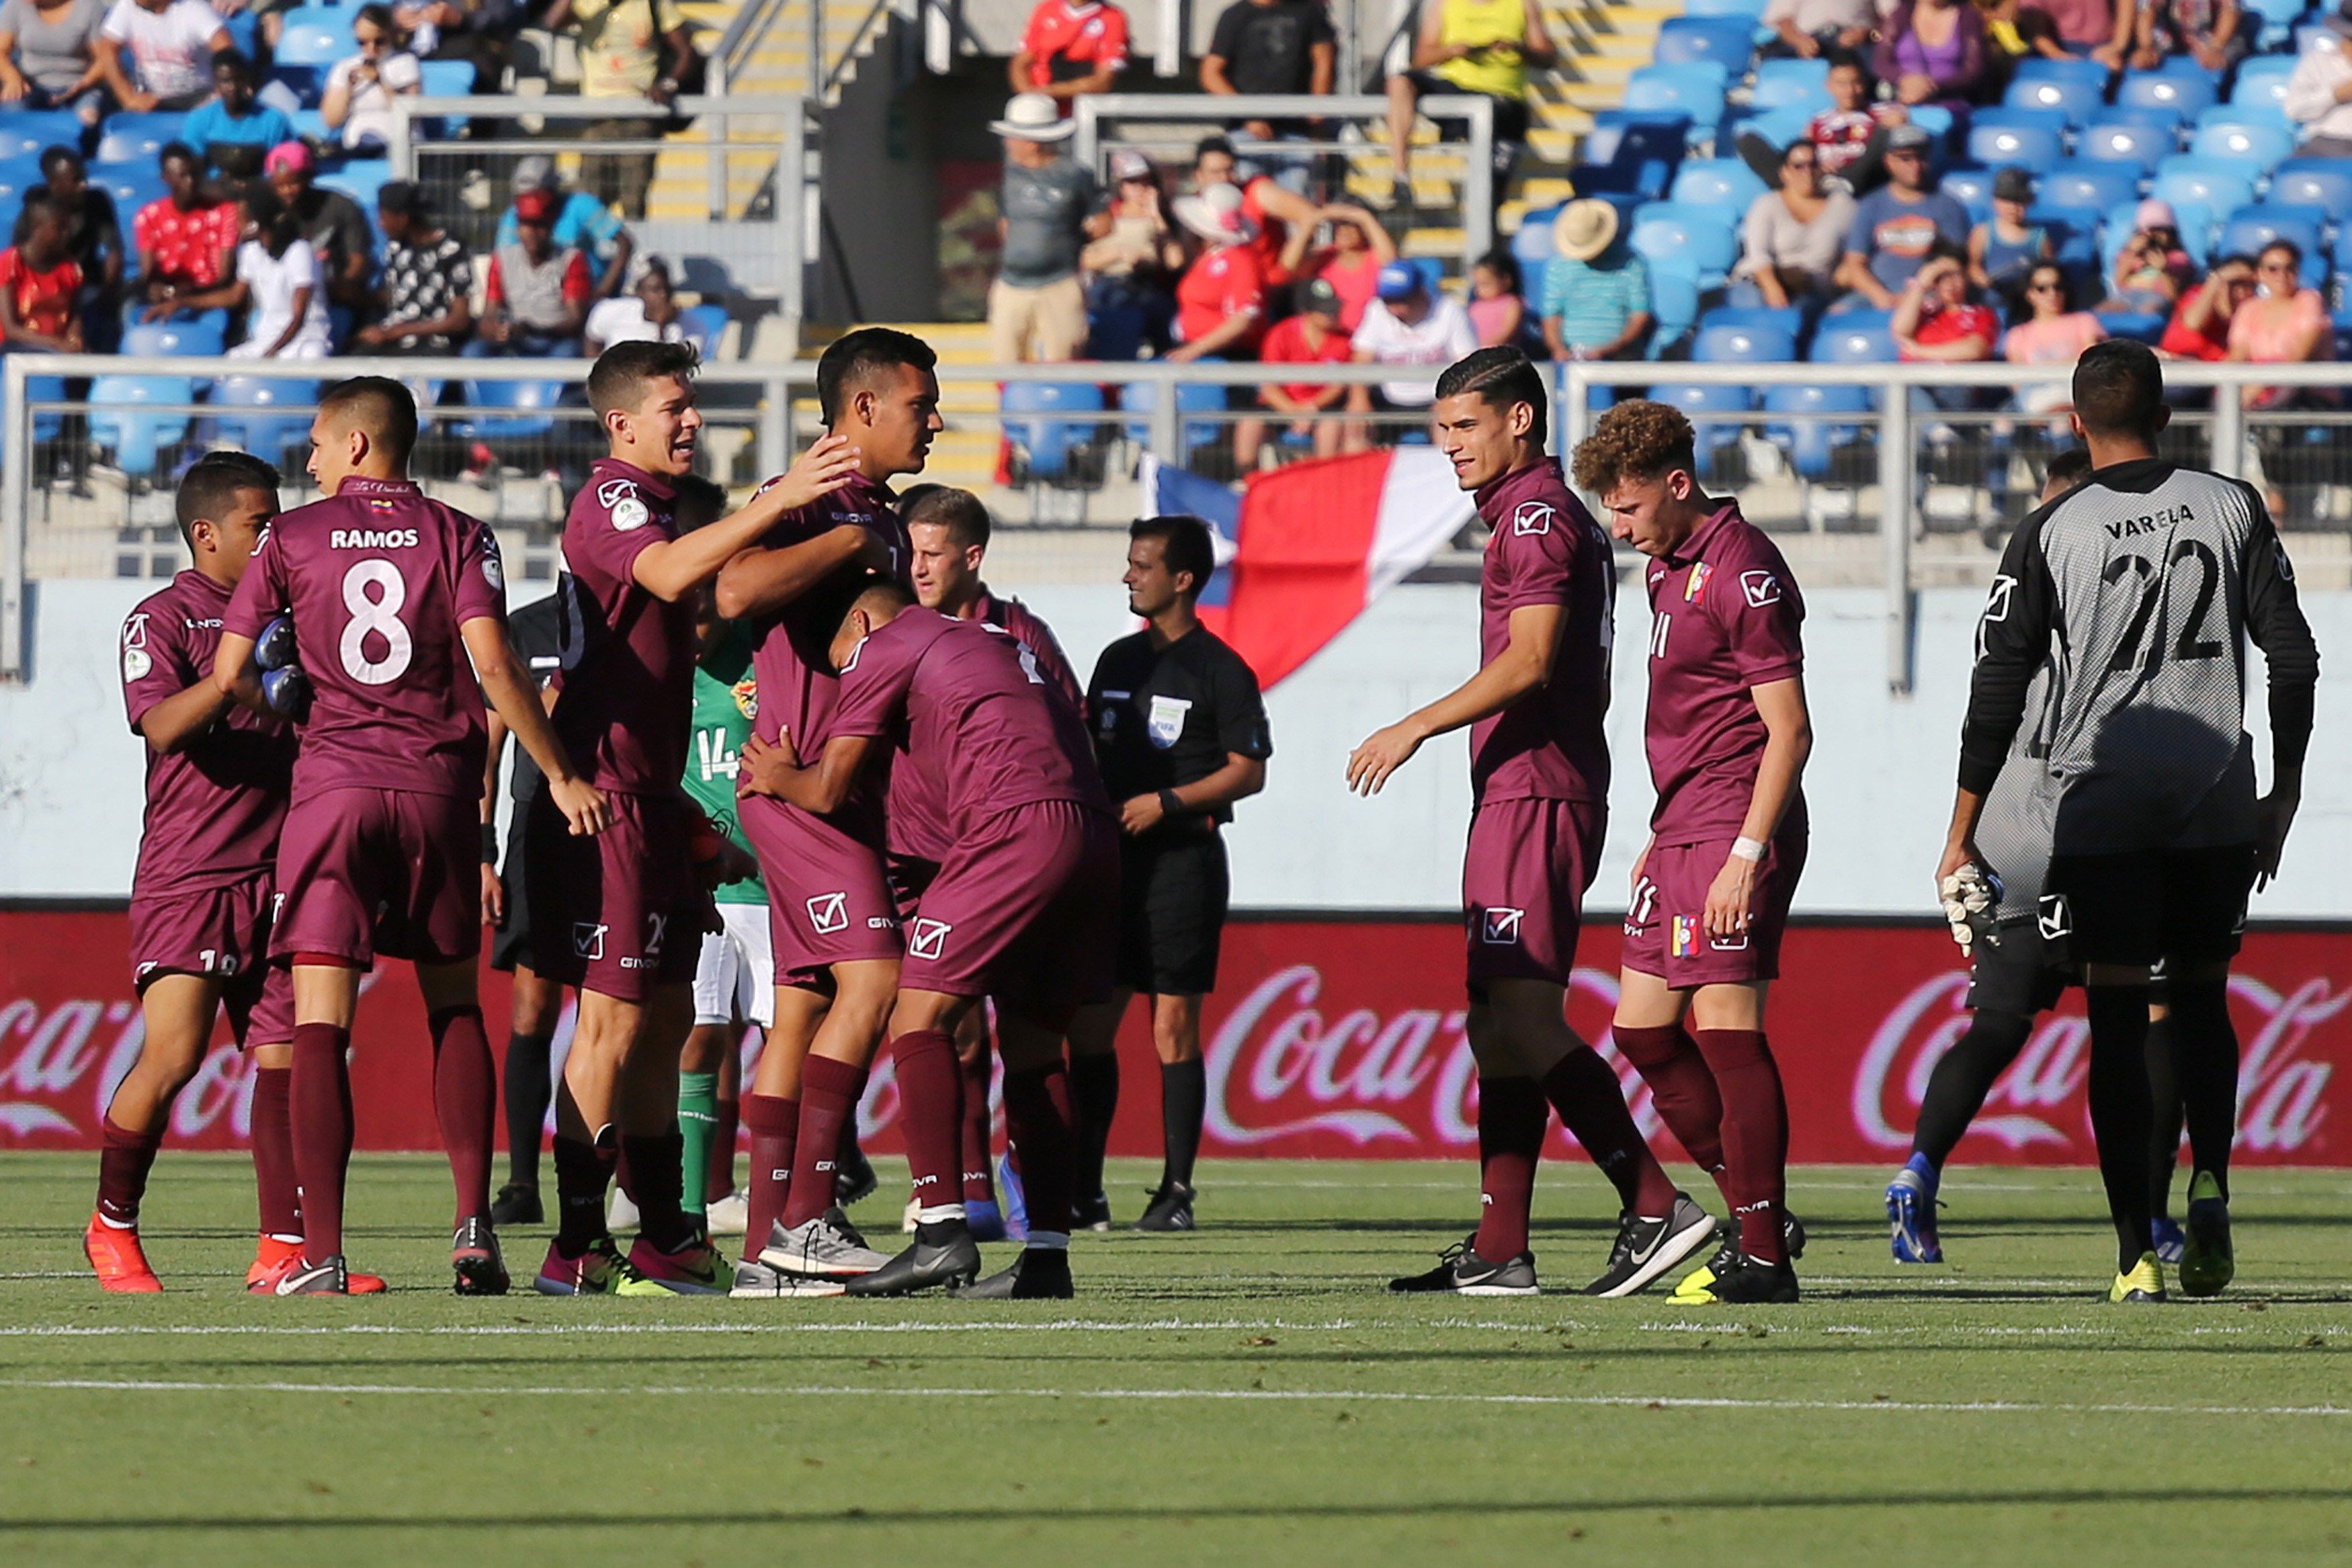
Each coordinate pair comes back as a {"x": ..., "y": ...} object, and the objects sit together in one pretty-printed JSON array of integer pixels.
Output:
[
  {"x": 1958, "y": 324},
  {"x": 187, "y": 245},
  {"x": 1223, "y": 283},
  {"x": 1292, "y": 342},
  {"x": 578, "y": 288},
  {"x": 1070, "y": 49},
  {"x": 2199, "y": 328},
  {"x": 44, "y": 300}
]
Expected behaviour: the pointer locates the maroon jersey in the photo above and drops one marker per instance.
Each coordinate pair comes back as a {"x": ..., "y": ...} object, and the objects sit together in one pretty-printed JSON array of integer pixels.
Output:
[
  {"x": 1545, "y": 549},
  {"x": 628, "y": 680},
  {"x": 1725, "y": 618},
  {"x": 378, "y": 580},
  {"x": 1034, "y": 635},
  {"x": 982, "y": 727},
  {"x": 214, "y": 806},
  {"x": 795, "y": 696}
]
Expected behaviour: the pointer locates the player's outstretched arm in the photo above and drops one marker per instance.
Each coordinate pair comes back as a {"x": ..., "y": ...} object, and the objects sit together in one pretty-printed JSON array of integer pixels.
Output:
[
  {"x": 764, "y": 579},
  {"x": 1523, "y": 667},
  {"x": 773, "y": 768},
  {"x": 675, "y": 568},
  {"x": 517, "y": 702},
  {"x": 1787, "y": 743}
]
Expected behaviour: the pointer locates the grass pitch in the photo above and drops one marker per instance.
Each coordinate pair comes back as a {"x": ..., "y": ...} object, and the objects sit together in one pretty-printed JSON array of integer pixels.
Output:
[{"x": 1246, "y": 1395}]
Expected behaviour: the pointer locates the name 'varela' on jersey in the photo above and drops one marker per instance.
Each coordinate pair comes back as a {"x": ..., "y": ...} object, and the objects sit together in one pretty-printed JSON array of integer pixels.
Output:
[{"x": 2135, "y": 596}]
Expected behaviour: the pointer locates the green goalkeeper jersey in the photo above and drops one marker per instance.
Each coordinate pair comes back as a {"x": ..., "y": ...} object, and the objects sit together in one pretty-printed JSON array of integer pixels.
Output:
[{"x": 724, "y": 702}]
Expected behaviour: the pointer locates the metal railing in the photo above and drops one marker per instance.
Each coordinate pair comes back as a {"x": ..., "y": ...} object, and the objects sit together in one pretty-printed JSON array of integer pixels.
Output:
[
  {"x": 760, "y": 238},
  {"x": 1476, "y": 114}
]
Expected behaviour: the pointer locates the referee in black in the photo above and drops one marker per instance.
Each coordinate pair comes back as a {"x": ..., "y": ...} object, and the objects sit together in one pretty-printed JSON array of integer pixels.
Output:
[{"x": 1181, "y": 734}]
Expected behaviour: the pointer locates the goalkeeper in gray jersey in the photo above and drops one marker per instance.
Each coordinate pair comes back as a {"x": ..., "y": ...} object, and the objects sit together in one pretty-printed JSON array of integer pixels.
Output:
[{"x": 2133, "y": 597}]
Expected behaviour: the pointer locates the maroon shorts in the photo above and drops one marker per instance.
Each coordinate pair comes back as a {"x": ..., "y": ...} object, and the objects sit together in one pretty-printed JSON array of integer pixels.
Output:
[
  {"x": 380, "y": 873},
  {"x": 829, "y": 901},
  {"x": 1026, "y": 911},
  {"x": 217, "y": 933},
  {"x": 622, "y": 911},
  {"x": 1523, "y": 881},
  {"x": 1665, "y": 927}
]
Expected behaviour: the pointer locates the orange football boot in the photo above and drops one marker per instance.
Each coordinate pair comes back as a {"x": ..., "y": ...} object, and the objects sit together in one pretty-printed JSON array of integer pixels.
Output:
[{"x": 120, "y": 1264}]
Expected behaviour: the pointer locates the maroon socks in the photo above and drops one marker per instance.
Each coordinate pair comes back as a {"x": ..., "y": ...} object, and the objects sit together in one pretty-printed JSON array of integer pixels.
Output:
[
  {"x": 829, "y": 1091},
  {"x": 1592, "y": 1106},
  {"x": 1684, "y": 1092},
  {"x": 974, "y": 1150},
  {"x": 273, "y": 1153},
  {"x": 1754, "y": 1134},
  {"x": 465, "y": 1104},
  {"x": 1512, "y": 1118},
  {"x": 775, "y": 1127},
  {"x": 123, "y": 1161},
  {"x": 930, "y": 1108},
  {"x": 320, "y": 1100},
  {"x": 1037, "y": 1117}
]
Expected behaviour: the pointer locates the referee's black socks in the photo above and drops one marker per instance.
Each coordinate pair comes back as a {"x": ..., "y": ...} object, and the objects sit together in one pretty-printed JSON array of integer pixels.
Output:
[{"x": 1183, "y": 1104}]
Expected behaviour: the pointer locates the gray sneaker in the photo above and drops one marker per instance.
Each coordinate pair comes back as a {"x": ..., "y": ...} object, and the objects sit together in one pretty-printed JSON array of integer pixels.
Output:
[
  {"x": 762, "y": 1282},
  {"x": 818, "y": 1250},
  {"x": 1646, "y": 1249}
]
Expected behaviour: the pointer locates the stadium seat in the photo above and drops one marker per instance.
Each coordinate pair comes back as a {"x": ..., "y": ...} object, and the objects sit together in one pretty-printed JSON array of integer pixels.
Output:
[
  {"x": 1936, "y": 120},
  {"x": 1726, "y": 185},
  {"x": 1726, "y": 41},
  {"x": 2261, "y": 82},
  {"x": 1812, "y": 442},
  {"x": 524, "y": 397},
  {"x": 25, "y": 132},
  {"x": 2080, "y": 72},
  {"x": 2128, "y": 138},
  {"x": 135, "y": 439},
  {"x": 1750, "y": 11},
  {"x": 1789, "y": 319},
  {"x": 1740, "y": 343},
  {"x": 2276, "y": 20},
  {"x": 2144, "y": 328},
  {"x": 1621, "y": 134},
  {"x": 18, "y": 175},
  {"x": 2076, "y": 97},
  {"x": 446, "y": 78},
  {"x": 138, "y": 138},
  {"x": 1972, "y": 188},
  {"x": 2228, "y": 132},
  {"x": 2248, "y": 229},
  {"x": 315, "y": 35},
  {"x": 1854, "y": 338},
  {"x": 1673, "y": 304},
  {"x": 2196, "y": 221},
  {"x": 2190, "y": 92},
  {"x": 198, "y": 337},
  {"x": 2086, "y": 183},
  {"x": 1781, "y": 84},
  {"x": 706, "y": 327},
  {"x": 268, "y": 437},
  {"x": 133, "y": 187},
  {"x": 2321, "y": 183},
  {"x": 1780, "y": 127},
  {"x": 1139, "y": 400},
  {"x": 2033, "y": 136},
  {"x": 1694, "y": 89},
  {"x": 1699, "y": 401},
  {"x": 1706, "y": 237},
  {"x": 311, "y": 125},
  {"x": 2217, "y": 184},
  {"x": 305, "y": 81}
]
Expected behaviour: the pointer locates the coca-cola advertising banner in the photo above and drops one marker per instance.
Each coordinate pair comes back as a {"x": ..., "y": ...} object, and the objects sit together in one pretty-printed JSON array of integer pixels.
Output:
[{"x": 1326, "y": 1037}]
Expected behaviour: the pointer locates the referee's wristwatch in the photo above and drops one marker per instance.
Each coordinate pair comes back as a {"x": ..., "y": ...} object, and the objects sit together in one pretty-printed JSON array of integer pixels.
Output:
[{"x": 1171, "y": 804}]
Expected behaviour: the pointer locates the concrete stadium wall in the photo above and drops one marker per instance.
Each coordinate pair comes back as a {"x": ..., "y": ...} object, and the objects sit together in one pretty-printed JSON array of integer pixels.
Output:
[{"x": 1880, "y": 783}]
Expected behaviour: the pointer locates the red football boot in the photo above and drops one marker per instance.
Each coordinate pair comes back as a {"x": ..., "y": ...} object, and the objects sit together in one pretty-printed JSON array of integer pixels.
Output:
[{"x": 120, "y": 1264}]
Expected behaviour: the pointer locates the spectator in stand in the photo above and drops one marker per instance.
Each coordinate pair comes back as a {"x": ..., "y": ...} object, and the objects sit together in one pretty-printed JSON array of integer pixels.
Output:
[
  {"x": 650, "y": 313},
  {"x": 536, "y": 299},
  {"x": 628, "y": 49},
  {"x": 1895, "y": 228},
  {"x": 1273, "y": 209},
  {"x": 1794, "y": 234},
  {"x": 1933, "y": 51},
  {"x": 2319, "y": 89},
  {"x": 474, "y": 31},
  {"x": 235, "y": 130},
  {"x": 1849, "y": 137},
  {"x": 2199, "y": 328},
  {"x": 1270, "y": 47},
  {"x": 1406, "y": 324},
  {"x": 1596, "y": 293},
  {"x": 2013, "y": 32},
  {"x": 1221, "y": 301},
  {"x": 583, "y": 222},
  {"x": 337, "y": 231},
  {"x": 1048, "y": 209},
  {"x": 1498, "y": 307},
  {"x": 1309, "y": 336},
  {"x": 2283, "y": 324},
  {"x": 186, "y": 239},
  {"x": 1351, "y": 264},
  {"x": 279, "y": 284},
  {"x": 2153, "y": 31},
  {"x": 1936, "y": 321},
  {"x": 1808, "y": 29},
  {"x": 49, "y": 55},
  {"x": 2051, "y": 332},
  {"x": 39, "y": 285},
  {"x": 356, "y": 103},
  {"x": 1132, "y": 271},
  {"x": 2152, "y": 271},
  {"x": 171, "y": 43},
  {"x": 2006, "y": 246},
  {"x": 1070, "y": 50},
  {"x": 2084, "y": 25},
  {"x": 426, "y": 303},
  {"x": 93, "y": 238},
  {"x": 1478, "y": 46}
]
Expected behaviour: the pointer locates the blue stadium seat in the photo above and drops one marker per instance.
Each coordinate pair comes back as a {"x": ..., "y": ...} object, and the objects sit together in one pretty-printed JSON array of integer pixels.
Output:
[
  {"x": 1705, "y": 237},
  {"x": 1621, "y": 134},
  {"x": 1728, "y": 344},
  {"x": 138, "y": 138},
  {"x": 1674, "y": 303},
  {"x": 446, "y": 78},
  {"x": 2074, "y": 98},
  {"x": 1138, "y": 400},
  {"x": 305, "y": 81},
  {"x": 1726, "y": 185},
  {"x": 2249, "y": 229},
  {"x": 1780, "y": 127},
  {"x": 1811, "y": 443},
  {"x": 268, "y": 437},
  {"x": 25, "y": 132},
  {"x": 2190, "y": 91},
  {"x": 1972, "y": 188},
  {"x": 2230, "y": 131},
  {"x": 2082, "y": 72},
  {"x": 2276, "y": 20},
  {"x": 134, "y": 439},
  {"x": 1699, "y": 401},
  {"x": 2261, "y": 82},
  {"x": 1750, "y": 11},
  {"x": 18, "y": 175},
  {"x": 1782, "y": 83},
  {"x": 1853, "y": 338},
  {"x": 1694, "y": 89},
  {"x": 2129, "y": 139},
  {"x": 1726, "y": 41},
  {"x": 524, "y": 397},
  {"x": 2033, "y": 136},
  {"x": 2217, "y": 184},
  {"x": 706, "y": 327},
  {"x": 197, "y": 337},
  {"x": 1786, "y": 320},
  {"x": 1936, "y": 120},
  {"x": 2196, "y": 221},
  {"x": 2321, "y": 183},
  {"x": 2087, "y": 183},
  {"x": 315, "y": 35},
  {"x": 2142, "y": 328},
  {"x": 133, "y": 187}
]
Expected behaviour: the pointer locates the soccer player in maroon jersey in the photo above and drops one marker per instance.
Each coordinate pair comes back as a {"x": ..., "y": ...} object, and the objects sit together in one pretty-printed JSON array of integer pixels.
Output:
[
  {"x": 832, "y": 917},
  {"x": 621, "y": 915},
  {"x": 1539, "y": 784},
  {"x": 975, "y": 735},
  {"x": 1729, "y": 734},
  {"x": 200, "y": 900},
  {"x": 947, "y": 530},
  {"x": 391, "y": 596}
]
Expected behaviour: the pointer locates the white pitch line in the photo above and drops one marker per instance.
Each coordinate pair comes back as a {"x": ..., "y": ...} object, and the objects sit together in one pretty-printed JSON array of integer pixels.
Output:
[{"x": 1179, "y": 1396}]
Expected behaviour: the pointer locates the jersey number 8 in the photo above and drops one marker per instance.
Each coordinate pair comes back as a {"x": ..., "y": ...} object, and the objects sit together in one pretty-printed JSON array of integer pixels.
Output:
[{"x": 379, "y": 614}]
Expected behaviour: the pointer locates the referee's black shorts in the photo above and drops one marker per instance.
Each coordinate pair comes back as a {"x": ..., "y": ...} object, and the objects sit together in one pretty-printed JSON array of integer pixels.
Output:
[
  {"x": 2184, "y": 906},
  {"x": 511, "y": 944},
  {"x": 1173, "y": 890}
]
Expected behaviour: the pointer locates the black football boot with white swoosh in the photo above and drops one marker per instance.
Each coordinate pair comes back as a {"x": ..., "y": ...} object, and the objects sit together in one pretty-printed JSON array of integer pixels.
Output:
[{"x": 1461, "y": 1271}]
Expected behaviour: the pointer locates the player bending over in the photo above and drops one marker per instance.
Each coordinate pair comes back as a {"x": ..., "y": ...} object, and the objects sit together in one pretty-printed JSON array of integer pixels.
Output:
[
  {"x": 1539, "y": 792},
  {"x": 391, "y": 597},
  {"x": 1017, "y": 911},
  {"x": 1727, "y": 736},
  {"x": 2136, "y": 593}
]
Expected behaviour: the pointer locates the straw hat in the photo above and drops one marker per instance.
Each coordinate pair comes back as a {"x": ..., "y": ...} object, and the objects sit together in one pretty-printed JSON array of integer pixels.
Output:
[
  {"x": 1585, "y": 229},
  {"x": 1216, "y": 216}
]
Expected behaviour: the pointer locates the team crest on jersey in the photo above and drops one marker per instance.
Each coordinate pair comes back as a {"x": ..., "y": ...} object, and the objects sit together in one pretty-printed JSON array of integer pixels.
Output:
[
  {"x": 1696, "y": 584},
  {"x": 1761, "y": 588},
  {"x": 494, "y": 572},
  {"x": 588, "y": 940},
  {"x": 746, "y": 692},
  {"x": 1533, "y": 518},
  {"x": 926, "y": 938},
  {"x": 829, "y": 913},
  {"x": 136, "y": 662},
  {"x": 1500, "y": 927},
  {"x": 1165, "y": 723},
  {"x": 1686, "y": 936}
]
